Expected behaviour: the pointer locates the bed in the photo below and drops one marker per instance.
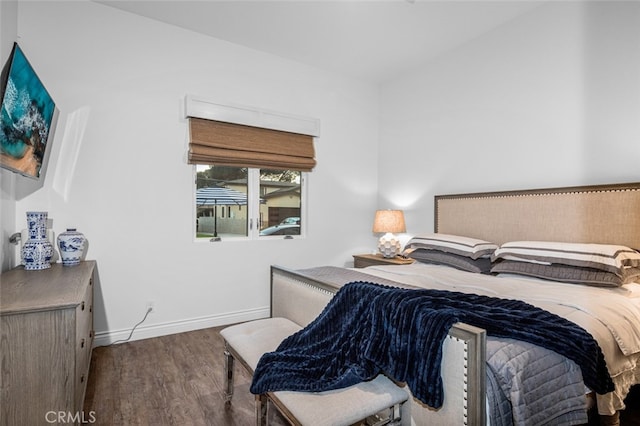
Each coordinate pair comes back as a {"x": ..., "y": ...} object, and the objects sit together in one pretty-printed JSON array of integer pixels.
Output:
[{"x": 497, "y": 380}]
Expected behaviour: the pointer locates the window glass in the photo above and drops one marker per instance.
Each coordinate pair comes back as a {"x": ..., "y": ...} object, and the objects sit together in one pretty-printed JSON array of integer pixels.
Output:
[
  {"x": 221, "y": 201},
  {"x": 280, "y": 202}
]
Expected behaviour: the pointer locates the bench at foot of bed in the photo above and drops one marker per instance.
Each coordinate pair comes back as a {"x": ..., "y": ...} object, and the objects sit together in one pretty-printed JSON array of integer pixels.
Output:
[{"x": 374, "y": 402}]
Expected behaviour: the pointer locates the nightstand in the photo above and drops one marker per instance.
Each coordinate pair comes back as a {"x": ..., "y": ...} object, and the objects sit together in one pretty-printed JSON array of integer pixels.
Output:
[{"x": 364, "y": 260}]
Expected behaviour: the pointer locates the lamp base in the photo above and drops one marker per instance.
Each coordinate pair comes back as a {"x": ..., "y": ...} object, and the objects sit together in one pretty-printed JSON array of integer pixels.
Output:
[{"x": 389, "y": 245}]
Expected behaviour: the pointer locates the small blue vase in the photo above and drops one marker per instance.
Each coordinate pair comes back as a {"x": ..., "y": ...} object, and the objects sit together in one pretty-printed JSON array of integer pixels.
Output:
[
  {"x": 71, "y": 245},
  {"x": 37, "y": 250}
]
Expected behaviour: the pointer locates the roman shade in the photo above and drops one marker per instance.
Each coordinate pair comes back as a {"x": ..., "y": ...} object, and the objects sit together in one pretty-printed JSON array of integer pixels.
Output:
[{"x": 229, "y": 144}]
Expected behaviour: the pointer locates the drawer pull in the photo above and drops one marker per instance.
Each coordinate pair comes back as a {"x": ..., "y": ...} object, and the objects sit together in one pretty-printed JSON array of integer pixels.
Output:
[
  {"x": 82, "y": 306},
  {"x": 82, "y": 379},
  {"x": 82, "y": 343}
]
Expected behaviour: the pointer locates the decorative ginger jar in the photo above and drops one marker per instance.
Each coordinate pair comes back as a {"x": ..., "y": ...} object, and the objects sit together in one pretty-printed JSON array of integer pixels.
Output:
[
  {"x": 37, "y": 250},
  {"x": 71, "y": 244}
]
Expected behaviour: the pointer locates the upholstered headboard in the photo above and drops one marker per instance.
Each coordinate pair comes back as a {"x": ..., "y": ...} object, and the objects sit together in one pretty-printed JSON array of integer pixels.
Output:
[{"x": 605, "y": 214}]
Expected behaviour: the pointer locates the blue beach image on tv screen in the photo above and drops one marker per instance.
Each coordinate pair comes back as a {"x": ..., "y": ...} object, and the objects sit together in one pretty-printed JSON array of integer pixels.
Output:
[{"x": 26, "y": 116}]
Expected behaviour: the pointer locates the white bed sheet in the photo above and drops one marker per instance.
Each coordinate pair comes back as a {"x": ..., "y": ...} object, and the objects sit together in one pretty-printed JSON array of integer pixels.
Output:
[{"x": 610, "y": 315}]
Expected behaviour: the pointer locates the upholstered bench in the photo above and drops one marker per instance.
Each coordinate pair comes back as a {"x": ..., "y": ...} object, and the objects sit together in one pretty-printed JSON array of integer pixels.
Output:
[{"x": 379, "y": 399}]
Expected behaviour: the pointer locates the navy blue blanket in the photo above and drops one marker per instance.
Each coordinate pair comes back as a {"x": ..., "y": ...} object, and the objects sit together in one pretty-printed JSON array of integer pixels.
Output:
[{"x": 368, "y": 329}]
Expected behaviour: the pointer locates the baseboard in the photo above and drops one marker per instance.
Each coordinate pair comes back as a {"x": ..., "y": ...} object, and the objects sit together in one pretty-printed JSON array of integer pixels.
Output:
[{"x": 104, "y": 338}]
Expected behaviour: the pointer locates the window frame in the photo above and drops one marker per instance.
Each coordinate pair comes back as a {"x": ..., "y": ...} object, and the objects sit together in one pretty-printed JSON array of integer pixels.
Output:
[{"x": 253, "y": 210}]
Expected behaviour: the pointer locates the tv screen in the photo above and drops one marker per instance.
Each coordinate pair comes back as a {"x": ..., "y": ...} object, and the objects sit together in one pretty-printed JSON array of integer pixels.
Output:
[{"x": 27, "y": 116}]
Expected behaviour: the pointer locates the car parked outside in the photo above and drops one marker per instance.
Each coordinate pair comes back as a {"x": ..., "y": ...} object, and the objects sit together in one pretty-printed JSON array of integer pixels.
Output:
[
  {"x": 290, "y": 221},
  {"x": 281, "y": 230}
]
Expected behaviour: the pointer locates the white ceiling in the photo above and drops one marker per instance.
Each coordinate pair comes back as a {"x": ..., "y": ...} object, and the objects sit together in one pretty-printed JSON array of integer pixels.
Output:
[{"x": 366, "y": 39}]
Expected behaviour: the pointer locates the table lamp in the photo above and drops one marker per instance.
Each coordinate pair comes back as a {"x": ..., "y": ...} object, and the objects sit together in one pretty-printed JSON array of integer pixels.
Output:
[{"x": 389, "y": 222}]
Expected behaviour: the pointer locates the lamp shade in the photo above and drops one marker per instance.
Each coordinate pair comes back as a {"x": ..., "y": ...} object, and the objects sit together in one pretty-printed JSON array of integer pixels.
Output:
[{"x": 389, "y": 221}]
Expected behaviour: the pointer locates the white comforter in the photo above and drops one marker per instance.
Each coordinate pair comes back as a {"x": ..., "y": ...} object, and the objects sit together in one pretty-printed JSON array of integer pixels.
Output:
[{"x": 611, "y": 315}]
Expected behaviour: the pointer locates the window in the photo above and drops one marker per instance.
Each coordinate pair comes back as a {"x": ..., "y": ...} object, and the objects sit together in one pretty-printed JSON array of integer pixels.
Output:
[
  {"x": 250, "y": 169},
  {"x": 280, "y": 202},
  {"x": 233, "y": 202}
]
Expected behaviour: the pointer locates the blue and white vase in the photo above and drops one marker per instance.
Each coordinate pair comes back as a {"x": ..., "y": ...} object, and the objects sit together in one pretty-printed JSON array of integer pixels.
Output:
[
  {"x": 71, "y": 245},
  {"x": 37, "y": 250}
]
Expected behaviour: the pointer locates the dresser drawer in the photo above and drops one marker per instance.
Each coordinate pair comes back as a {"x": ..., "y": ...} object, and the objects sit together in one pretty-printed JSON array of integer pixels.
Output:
[{"x": 84, "y": 341}]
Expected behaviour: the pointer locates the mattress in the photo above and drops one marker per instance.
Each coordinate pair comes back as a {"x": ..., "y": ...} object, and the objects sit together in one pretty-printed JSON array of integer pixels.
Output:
[{"x": 610, "y": 315}]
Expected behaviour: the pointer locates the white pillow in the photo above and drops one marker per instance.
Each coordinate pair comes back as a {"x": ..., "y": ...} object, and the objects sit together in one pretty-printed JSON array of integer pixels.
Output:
[
  {"x": 463, "y": 246},
  {"x": 605, "y": 257}
]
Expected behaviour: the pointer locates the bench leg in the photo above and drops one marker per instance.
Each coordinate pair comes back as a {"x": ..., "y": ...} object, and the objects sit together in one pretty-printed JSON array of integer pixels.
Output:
[
  {"x": 262, "y": 406},
  {"x": 228, "y": 366},
  {"x": 395, "y": 414},
  {"x": 392, "y": 417}
]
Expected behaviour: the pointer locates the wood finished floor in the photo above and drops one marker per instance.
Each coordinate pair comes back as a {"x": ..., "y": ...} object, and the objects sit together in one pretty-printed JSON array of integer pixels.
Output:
[
  {"x": 179, "y": 380},
  {"x": 170, "y": 380}
]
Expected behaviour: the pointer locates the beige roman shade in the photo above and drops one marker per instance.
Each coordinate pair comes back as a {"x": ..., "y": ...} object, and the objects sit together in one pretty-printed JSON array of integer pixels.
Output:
[{"x": 227, "y": 144}]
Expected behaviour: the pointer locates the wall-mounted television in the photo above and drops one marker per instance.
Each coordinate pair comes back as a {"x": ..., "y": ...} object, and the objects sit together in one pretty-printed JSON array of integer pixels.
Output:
[{"x": 28, "y": 116}]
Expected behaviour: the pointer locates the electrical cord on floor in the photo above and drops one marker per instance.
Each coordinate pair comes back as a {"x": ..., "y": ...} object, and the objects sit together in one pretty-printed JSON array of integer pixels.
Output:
[{"x": 133, "y": 329}]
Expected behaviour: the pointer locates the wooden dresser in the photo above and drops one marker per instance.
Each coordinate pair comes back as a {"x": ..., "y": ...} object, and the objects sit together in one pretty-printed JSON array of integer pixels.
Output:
[{"x": 46, "y": 320}]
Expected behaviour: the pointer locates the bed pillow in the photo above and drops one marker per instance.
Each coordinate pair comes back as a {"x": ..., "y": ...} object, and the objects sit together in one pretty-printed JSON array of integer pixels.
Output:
[
  {"x": 462, "y": 246},
  {"x": 479, "y": 266},
  {"x": 603, "y": 257},
  {"x": 567, "y": 273}
]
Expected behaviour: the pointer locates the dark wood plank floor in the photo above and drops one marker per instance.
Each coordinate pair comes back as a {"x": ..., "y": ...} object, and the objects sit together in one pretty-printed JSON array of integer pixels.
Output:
[
  {"x": 179, "y": 380},
  {"x": 170, "y": 380}
]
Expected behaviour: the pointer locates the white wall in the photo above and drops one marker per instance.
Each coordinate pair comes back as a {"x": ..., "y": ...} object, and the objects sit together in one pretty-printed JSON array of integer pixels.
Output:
[
  {"x": 8, "y": 34},
  {"x": 119, "y": 81},
  {"x": 551, "y": 98}
]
